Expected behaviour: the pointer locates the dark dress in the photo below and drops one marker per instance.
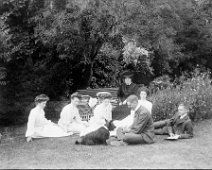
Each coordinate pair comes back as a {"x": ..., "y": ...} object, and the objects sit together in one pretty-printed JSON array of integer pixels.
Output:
[{"x": 124, "y": 91}]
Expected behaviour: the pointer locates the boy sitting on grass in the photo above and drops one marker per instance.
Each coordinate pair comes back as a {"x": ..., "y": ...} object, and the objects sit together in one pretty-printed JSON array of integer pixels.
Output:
[{"x": 178, "y": 127}]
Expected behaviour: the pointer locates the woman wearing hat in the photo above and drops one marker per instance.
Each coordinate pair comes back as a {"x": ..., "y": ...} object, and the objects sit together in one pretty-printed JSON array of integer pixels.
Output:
[
  {"x": 127, "y": 88},
  {"x": 38, "y": 126},
  {"x": 102, "y": 112}
]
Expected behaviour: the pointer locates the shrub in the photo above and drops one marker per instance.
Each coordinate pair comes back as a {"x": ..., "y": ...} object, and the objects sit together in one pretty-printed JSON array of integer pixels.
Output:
[{"x": 195, "y": 91}]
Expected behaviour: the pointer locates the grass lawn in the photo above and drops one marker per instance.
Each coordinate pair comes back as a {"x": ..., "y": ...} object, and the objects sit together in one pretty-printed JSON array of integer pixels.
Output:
[{"x": 62, "y": 153}]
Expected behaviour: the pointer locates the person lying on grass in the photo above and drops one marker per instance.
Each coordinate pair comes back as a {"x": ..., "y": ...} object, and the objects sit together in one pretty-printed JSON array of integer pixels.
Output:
[
  {"x": 178, "y": 127},
  {"x": 38, "y": 126},
  {"x": 141, "y": 130},
  {"x": 70, "y": 119}
]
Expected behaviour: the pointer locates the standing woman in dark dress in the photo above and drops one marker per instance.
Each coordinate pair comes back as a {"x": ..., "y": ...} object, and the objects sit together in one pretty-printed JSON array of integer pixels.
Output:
[{"x": 126, "y": 89}]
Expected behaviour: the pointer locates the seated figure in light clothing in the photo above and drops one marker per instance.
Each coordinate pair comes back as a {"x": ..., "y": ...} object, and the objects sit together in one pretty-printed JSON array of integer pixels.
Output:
[
  {"x": 143, "y": 101},
  {"x": 38, "y": 126},
  {"x": 70, "y": 119},
  {"x": 102, "y": 112},
  {"x": 127, "y": 121}
]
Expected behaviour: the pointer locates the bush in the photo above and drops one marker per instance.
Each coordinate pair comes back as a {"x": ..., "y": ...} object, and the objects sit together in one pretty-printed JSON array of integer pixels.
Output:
[{"x": 195, "y": 91}]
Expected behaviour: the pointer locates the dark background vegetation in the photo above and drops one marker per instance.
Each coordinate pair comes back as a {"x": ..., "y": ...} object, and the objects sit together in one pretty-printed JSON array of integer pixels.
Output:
[{"x": 57, "y": 47}]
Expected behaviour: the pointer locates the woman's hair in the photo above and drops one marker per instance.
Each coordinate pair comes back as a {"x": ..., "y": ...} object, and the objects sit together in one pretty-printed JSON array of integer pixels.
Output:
[
  {"x": 76, "y": 95},
  {"x": 143, "y": 89},
  {"x": 41, "y": 98}
]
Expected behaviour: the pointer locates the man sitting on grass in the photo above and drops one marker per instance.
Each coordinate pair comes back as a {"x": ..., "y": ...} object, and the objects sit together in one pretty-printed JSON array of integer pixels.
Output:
[
  {"x": 141, "y": 131},
  {"x": 178, "y": 127}
]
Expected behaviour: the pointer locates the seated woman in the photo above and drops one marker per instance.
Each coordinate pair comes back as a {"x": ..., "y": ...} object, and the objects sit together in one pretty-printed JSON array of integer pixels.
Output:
[
  {"x": 70, "y": 119},
  {"x": 102, "y": 112},
  {"x": 179, "y": 126},
  {"x": 38, "y": 126},
  {"x": 126, "y": 89},
  {"x": 143, "y": 101}
]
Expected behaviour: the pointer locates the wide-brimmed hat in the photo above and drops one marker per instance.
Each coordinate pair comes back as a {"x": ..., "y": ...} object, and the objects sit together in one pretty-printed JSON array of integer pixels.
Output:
[
  {"x": 41, "y": 98},
  {"x": 104, "y": 95},
  {"x": 127, "y": 73}
]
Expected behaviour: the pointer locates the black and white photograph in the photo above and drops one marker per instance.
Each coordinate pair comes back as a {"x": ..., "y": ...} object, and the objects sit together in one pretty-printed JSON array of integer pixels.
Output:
[{"x": 105, "y": 84}]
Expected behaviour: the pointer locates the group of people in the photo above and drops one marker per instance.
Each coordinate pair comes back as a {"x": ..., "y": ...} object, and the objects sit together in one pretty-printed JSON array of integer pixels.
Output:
[{"x": 137, "y": 127}]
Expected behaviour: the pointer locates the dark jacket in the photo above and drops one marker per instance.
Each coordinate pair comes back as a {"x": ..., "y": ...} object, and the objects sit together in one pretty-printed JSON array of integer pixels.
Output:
[
  {"x": 182, "y": 127},
  {"x": 126, "y": 90},
  {"x": 143, "y": 124}
]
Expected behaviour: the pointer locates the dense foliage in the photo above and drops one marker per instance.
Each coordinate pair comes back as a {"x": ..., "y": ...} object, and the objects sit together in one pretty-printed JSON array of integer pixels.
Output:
[
  {"x": 194, "y": 90},
  {"x": 56, "y": 47}
]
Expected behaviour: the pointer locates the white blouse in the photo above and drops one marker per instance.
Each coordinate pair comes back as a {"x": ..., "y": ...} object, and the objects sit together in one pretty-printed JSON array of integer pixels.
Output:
[
  {"x": 147, "y": 104},
  {"x": 36, "y": 120},
  {"x": 69, "y": 114}
]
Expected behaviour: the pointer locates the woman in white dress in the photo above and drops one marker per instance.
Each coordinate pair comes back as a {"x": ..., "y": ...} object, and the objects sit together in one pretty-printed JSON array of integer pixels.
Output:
[
  {"x": 143, "y": 101},
  {"x": 38, "y": 126},
  {"x": 102, "y": 112}
]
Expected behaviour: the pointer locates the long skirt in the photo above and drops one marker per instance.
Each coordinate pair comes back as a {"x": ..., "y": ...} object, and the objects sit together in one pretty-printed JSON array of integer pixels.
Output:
[{"x": 50, "y": 130}]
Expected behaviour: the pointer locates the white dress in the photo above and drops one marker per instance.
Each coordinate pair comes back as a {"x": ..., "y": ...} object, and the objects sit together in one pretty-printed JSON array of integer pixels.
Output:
[
  {"x": 39, "y": 127},
  {"x": 147, "y": 104},
  {"x": 70, "y": 119},
  {"x": 101, "y": 112}
]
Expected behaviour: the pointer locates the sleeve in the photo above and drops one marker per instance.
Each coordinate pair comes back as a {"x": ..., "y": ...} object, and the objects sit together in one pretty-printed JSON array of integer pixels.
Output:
[
  {"x": 188, "y": 131},
  {"x": 64, "y": 121},
  {"x": 31, "y": 123},
  {"x": 139, "y": 124},
  {"x": 77, "y": 117},
  {"x": 119, "y": 93},
  {"x": 135, "y": 90},
  {"x": 109, "y": 115},
  {"x": 99, "y": 115},
  {"x": 150, "y": 107}
]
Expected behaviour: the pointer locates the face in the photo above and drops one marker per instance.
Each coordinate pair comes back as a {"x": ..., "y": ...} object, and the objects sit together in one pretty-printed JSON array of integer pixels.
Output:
[
  {"x": 132, "y": 105},
  {"x": 128, "y": 81},
  {"x": 106, "y": 102},
  {"x": 42, "y": 104},
  {"x": 75, "y": 101},
  {"x": 182, "y": 110},
  {"x": 143, "y": 95}
]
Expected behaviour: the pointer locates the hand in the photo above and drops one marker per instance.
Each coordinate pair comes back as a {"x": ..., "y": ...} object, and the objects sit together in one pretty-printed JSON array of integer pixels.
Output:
[
  {"x": 126, "y": 129},
  {"x": 29, "y": 139},
  {"x": 125, "y": 102},
  {"x": 168, "y": 121},
  {"x": 120, "y": 103},
  {"x": 172, "y": 134}
]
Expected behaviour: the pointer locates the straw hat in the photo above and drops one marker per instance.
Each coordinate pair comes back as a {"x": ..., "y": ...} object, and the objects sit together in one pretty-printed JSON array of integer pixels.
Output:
[{"x": 103, "y": 95}]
